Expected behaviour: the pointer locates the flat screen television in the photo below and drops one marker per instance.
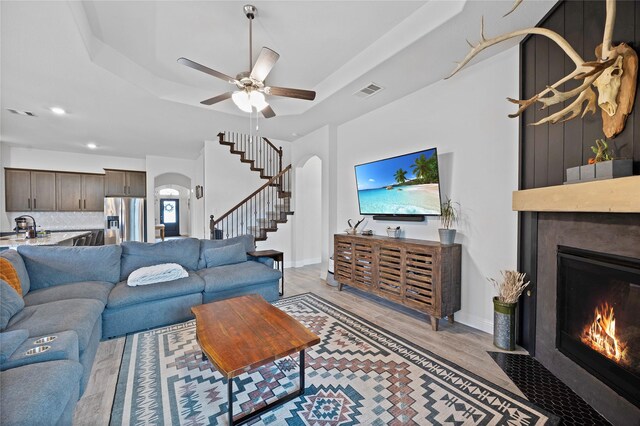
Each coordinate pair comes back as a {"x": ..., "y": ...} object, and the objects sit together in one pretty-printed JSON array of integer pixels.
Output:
[{"x": 406, "y": 185}]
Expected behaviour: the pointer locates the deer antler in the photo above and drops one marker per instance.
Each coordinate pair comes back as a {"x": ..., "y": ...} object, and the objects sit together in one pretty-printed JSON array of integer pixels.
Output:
[
  {"x": 514, "y": 7},
  {"x": 588, "y": 71}
]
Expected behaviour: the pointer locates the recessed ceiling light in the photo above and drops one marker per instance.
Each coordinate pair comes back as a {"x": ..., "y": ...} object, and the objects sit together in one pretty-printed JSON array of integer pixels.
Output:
[
  {"x": 58, "y": 110},
  {"x": 92, "y": 145}
]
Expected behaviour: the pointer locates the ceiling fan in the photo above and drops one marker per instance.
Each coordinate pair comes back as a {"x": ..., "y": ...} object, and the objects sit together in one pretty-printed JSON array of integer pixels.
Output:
[{"x": 250, "y": 84}]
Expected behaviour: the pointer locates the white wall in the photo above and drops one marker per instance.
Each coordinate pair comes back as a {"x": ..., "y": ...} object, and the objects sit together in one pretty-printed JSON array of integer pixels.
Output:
[
  {"x": 308, "y": 208},
  {"x": 320, "y": 143},
  {"x": 466, "y": 119}
]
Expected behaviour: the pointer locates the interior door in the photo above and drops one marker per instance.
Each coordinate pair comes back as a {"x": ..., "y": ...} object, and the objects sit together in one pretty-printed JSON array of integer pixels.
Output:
[{"x": 170, "y": 216}]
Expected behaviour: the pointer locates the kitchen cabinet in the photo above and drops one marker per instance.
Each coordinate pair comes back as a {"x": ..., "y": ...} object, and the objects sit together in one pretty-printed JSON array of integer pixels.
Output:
[
  {"x": 93, "y": 193},
  {"x": 30, "y": 190},
  {"x": 17, "y": 190},
  {"x": 80, "y": 192},
  {"x": 123, "y": 183}
]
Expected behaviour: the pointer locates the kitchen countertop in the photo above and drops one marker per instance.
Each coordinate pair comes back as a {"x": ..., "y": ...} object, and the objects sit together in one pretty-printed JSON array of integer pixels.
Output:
[{"x": 56, "y": 238}]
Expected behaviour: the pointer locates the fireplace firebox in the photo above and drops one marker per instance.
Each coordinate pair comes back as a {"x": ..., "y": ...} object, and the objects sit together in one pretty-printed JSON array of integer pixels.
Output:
[{"x": 598, "y": 317}]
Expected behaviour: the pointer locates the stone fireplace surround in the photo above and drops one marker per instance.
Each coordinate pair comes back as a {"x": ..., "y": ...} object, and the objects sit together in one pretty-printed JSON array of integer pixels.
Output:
[{"x": 614, "y": 233}]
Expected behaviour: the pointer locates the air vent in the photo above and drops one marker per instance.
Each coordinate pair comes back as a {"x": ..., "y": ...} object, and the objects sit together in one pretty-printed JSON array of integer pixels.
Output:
[
  {"x": 16, "y": 111},
  {"x": 369, "y": 90}
]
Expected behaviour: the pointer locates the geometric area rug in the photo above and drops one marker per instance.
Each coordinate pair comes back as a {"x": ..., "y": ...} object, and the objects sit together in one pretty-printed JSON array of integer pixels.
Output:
[{"x": 359, "y": 373}]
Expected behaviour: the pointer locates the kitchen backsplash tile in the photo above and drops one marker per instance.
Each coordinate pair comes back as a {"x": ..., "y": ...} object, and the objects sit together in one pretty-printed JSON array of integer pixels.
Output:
[{"x": 59, "y": 221}]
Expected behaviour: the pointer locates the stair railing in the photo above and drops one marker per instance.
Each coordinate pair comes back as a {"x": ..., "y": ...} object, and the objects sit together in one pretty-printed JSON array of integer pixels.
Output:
[
  {"x": 258, "y": 213},
  {"x": 263, "y": 155}
]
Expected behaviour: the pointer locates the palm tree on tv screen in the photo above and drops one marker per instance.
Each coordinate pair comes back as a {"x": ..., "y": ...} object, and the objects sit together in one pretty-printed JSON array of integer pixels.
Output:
[
  {"x": 426, "y": 171},
  {"x": 401, "y": 176}
]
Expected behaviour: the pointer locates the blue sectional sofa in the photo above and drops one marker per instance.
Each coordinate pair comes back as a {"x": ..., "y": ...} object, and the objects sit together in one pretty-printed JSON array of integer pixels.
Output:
[{"x": 80, "y": 295}]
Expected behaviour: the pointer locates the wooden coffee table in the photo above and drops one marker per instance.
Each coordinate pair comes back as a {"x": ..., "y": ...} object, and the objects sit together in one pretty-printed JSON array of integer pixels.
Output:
[{"x": 242, "y": 333}]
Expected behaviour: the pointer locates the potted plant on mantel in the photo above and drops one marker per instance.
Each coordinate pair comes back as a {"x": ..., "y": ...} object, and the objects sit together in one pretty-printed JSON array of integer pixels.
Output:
[
  {"x": 504, "y": 308},
  {"x": 602, "y": 166},
  {"x": 449, "y": 216}
]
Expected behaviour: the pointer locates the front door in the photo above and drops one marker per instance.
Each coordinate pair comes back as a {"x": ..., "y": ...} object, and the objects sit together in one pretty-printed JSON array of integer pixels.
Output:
[{"x": 170, "y": 216}]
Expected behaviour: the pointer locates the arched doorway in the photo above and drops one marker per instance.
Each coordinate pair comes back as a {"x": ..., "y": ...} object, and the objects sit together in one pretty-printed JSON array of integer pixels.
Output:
[{"x": 172, "y": 204}]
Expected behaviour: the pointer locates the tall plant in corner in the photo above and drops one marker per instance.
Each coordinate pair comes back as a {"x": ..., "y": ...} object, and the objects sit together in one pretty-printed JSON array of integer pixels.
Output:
[{"x": 450, "y": 212}]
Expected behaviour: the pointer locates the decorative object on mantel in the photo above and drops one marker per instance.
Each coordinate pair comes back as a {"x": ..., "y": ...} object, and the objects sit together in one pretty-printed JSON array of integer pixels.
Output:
[
  {"x": 449, "y": 217},
  {"x": 613, "y": 73},
  {"x": 353, "y": 229},
  {"x": 504, "y": 308},
  {"x": 602, "y": 166}
]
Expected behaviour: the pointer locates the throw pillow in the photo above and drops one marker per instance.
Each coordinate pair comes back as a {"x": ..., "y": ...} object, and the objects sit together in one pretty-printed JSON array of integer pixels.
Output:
[
  {"x": 156, "y": 274},
  {"x": 10, "y": 303},
  {"x": 228, "y": 255},
  {"x": 10, "y": 341},
  {"x": 9, "y": 274}
]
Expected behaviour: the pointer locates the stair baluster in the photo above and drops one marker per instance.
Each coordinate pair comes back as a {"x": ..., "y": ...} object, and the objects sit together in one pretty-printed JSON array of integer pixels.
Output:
[{"x": 259, "y": 213}]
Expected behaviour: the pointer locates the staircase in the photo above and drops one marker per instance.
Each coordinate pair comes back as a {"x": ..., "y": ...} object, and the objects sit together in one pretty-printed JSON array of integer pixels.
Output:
[{"x": 260, "y": 212}]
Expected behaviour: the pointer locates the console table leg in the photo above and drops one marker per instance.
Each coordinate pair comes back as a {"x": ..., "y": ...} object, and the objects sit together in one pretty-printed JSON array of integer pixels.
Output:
[
  {"x": 450, "y": 318},
  {"x": 434, "y": 323}
]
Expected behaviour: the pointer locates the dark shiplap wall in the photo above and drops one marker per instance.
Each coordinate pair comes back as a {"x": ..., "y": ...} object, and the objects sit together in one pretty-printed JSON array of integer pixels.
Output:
[{"x": 549, "y": 149}]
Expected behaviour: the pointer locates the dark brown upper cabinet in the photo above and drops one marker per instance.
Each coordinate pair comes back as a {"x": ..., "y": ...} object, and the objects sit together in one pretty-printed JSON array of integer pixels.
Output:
[
  {"x": 80, "y": 192},
  {"x": 124, "y": 183},
  {"x": 30, "y": 190}
]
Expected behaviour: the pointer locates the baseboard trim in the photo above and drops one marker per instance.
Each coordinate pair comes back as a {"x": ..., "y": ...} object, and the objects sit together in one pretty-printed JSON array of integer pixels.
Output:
[{"x": 474, "y": 321}]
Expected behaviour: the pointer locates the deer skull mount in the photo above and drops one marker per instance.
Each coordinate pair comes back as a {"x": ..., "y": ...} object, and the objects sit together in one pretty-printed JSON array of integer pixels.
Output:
[
  {"x": 588, "y": 72},
  {"x": 622, "y": 96},
  {"x": 608, "y": 85}
]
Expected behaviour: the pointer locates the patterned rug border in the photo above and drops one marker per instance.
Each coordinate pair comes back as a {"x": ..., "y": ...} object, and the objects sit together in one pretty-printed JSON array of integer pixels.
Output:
[{"x": 123, "y": 372}]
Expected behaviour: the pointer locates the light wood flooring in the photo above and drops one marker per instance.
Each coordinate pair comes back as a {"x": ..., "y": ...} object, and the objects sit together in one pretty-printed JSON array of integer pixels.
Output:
[{"x": 465, "y": 346}]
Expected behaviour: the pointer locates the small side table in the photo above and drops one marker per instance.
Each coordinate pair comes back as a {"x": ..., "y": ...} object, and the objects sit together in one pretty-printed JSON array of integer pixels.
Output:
[{"x": 278, "y": 257}]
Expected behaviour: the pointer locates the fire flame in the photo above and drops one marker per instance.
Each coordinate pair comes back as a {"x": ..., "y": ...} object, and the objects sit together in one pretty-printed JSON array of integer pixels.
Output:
[{"x": 601, "y": 334}]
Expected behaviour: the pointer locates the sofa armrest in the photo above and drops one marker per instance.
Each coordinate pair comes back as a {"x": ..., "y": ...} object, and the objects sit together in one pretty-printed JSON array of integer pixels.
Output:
[{"x": 264, "y": 260}]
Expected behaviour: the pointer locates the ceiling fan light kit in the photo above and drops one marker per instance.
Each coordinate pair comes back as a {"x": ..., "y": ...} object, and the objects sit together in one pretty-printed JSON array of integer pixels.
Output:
[{"x": 251, "y": 88}]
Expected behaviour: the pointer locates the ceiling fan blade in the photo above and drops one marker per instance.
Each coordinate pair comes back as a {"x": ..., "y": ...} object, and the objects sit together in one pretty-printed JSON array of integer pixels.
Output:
[
  {"x": 307, "y": 95},
  {"x": 206, "y": 70},
  {"x": 217, "y": 99},
  {"x": 264, "y": 64},
  {"x": 268, "y": 112}
]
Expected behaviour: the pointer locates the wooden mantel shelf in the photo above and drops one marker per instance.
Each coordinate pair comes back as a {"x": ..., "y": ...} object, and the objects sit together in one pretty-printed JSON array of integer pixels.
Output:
[{"x": 621, "y": 195}]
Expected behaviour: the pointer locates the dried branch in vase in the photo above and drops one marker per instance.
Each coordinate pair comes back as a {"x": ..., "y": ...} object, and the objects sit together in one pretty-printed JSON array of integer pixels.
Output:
[{"x": 511, "y": 286}]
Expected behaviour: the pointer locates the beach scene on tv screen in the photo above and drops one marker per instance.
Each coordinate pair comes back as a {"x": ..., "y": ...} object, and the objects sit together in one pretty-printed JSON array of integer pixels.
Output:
[{"x": 408, "y": 184}]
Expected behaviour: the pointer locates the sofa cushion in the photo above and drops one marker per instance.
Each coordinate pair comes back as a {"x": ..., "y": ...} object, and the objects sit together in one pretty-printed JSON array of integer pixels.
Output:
[
  {"x": 124, "y": 295},
  {"x": 10, "y": 341},
  {"x": 227, "y": 277},
  {"x": 135, "y": 255},
  {"x": 9, "y": 275},
  {"x": 10, "y": 303},
  {"x": 234, "y": 253},
  {"x": 38, "y": 394},
  {"x": 79, "y": 315},
  {"x": 53, "y": 265},
  {"x": 97, "y": 290},
  {"x": 247, "y": 240},
  {"x": 18, "y": 264}
]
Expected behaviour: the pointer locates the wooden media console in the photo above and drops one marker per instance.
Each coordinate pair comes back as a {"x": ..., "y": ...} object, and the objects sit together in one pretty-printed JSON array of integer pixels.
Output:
[{"x": 423, "y": 275}]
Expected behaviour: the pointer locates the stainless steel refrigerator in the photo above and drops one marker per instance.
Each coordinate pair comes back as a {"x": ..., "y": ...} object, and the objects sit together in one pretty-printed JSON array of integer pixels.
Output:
[{"x": 124, "y": 219}]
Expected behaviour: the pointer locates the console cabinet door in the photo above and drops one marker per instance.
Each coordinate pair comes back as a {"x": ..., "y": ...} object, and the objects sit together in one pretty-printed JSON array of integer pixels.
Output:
[
  {"x": 136, "y": 184},
  {"x": 17, "y": 190},
  {"x": 115, "y": 183},
  {"x": 69, "y": 191},
  {"x": 93, "y": 193},
  {"x": 43, "y": 191}
]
